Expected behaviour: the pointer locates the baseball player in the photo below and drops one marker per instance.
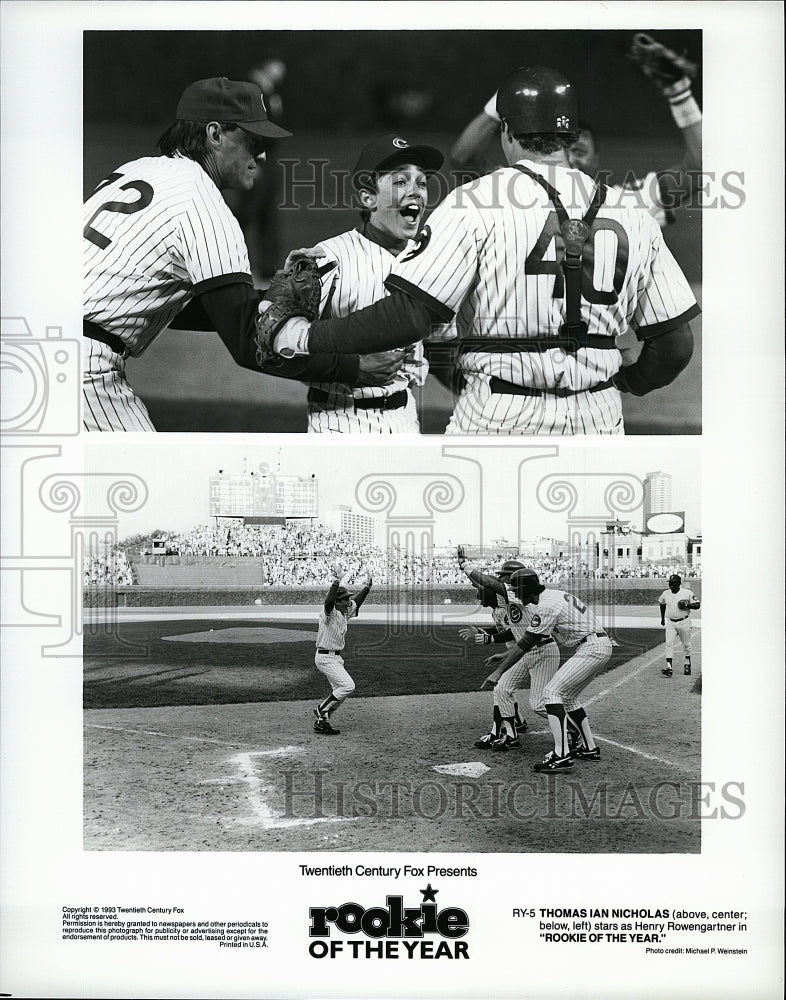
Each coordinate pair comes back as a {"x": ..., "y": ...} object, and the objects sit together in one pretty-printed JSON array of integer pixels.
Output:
[
  {"x": 390, "y": 178},
  {"x": 339, "y": 608},
  {"x": 539, "y": 295},
  {"x": 478, "y": 149},
  {"x": 511, "y": 622},
  {"x": 161, "y": 248},
  {"x": 676, "y": 604},
  {"x": 560, "y": 615}
]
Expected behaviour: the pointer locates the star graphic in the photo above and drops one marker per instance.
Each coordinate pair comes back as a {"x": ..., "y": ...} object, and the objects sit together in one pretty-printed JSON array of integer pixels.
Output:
[{"x": 429, "y": 894}]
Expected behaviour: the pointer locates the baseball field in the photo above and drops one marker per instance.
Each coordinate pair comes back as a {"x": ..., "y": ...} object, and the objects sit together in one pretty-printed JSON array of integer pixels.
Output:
[{"x": 198, "y": 737}]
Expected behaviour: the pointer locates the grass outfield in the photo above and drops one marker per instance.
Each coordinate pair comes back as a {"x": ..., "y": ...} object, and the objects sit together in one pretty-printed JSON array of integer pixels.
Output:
[{"x": 143, "y": 666}]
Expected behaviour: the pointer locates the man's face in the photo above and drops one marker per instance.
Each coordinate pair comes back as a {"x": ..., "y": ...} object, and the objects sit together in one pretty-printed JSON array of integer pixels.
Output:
[
  {"x": 674, "y": 586},
  {"x": 342, "y": 604},
  {"x": 583, "y": 154},
  {"x": 236, "y": 157},
  {"x": 399, "y": 201}
]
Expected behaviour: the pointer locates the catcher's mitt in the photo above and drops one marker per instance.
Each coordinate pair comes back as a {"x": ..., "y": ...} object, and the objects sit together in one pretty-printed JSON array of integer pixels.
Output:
[
  {"x": 295, "y": 292},
  {"x": 683, "y": 605},
  {"x": 662, "y": 65}
]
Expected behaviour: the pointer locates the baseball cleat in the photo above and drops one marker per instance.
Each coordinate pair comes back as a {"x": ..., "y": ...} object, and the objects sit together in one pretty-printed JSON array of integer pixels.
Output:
[
  {"x": 324, "y": 727},
  {"x": 551, "y": 762},
  {"x": 485, "y": 741},
  {"x": 667, "y": 672},
  {"x": 506, "y": 743},
  {"x": 582, "y": 753}
]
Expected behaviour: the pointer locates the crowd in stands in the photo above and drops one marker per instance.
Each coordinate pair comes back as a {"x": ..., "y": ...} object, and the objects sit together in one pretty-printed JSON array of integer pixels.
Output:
[
  {"x": 302, "y": 556},
  {"x": 111, "y": 569}
]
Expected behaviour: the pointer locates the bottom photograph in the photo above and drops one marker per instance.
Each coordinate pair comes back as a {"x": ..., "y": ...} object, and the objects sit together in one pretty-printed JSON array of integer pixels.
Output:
[{"x": 454, "y": 648}]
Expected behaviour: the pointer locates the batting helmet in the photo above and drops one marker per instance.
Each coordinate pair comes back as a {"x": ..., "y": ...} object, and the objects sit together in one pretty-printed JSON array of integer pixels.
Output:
[
  {"x": 508, "y": 568},
  {"x": 526, "y": 582},
  {"x": 537, "y": 99}
]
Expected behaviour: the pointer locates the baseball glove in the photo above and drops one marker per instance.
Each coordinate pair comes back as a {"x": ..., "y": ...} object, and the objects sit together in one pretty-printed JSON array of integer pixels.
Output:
[
  {"x": 683, "y": 605},
  {"x": 295, "y": 292},
  {"x": 662, "y": 65}
]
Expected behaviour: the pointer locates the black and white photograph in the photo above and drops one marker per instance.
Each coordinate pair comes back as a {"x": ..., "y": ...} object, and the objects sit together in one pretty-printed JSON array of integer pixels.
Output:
[
  {"x": 432, "y": 173},
  {"x": 472, "y": 714},
  {"x": 221, "y": 646}
]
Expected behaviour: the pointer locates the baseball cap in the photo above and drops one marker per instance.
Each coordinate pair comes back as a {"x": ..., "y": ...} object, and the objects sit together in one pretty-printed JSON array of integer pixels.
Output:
[
  {"x": 674, "y": 578},
  {"x": 341, "y": 593},
  {"x": 388, "y": 152},
  {"x": 235, "y": 102}
]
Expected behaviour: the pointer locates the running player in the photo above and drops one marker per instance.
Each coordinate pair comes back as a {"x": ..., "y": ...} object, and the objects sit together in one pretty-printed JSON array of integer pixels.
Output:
[
  {"x": 676, "y": 603},
  {"x": 340, "y": 606},
  {"x": 557, "y": 614},
  {"x": 390, "y": 177},
  {"x": 478, "y": 149},
  {"x": 539, "y": 296},
  {"x": 511, "y": 620},
  {"x": 161, "y": 248}
]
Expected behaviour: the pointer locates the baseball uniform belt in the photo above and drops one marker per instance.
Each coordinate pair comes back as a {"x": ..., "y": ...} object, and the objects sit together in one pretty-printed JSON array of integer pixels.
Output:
[
  {"x": 510, "y": 389},
  {"x": 95, "y": 332},
  {"x": 512, "y": 345},
  {"x": 394, "y": 402},
  {"x": 329, "y": 652},
  {"x": 600, "y": 635},
  {"x": 684, "y": 617}
]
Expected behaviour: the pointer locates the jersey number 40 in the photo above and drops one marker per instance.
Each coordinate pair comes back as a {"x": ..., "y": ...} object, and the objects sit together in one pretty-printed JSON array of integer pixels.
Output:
[{"x": 616, "y": 262}]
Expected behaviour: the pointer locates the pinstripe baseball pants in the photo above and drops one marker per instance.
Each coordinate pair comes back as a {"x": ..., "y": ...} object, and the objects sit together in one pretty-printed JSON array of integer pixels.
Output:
[
  {"x": 332, "y": 666},
  {"x": 575, "y": 674},
  {"x": 110, "y": 403},
  {"x": 541, "y": 663}
]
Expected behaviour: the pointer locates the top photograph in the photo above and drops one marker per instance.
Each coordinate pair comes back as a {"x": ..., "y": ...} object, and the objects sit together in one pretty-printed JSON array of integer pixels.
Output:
[{"x": 393, "y": 232}]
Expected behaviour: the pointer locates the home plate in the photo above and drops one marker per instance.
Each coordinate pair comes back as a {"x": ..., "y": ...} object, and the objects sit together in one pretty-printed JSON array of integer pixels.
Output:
[{"x": 472, "y": 769}]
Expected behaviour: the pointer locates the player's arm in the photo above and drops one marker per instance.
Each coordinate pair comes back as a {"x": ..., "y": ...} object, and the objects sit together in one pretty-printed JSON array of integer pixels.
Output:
[
  {"x": 395, "y": 321},
  {"x": 661, "y": 360},
  {"x": 481, "y": 635},
  {"x": 671, "y": 74},
  {"x": 330, "y": 597},
  {"x": 362, "y": 594},
  {"x": 693, "y": 602},
  {"x": 469, "y": 145},
  {"x": 231, "y": 311},
  {"x": 475, "y": 576}
]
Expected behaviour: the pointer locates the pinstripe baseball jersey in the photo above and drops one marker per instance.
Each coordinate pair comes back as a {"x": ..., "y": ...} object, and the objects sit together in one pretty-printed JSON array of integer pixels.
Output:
[
  {"x": 491, "y": 255},
  {"x": 157, "y": 232},
  {"x": 669, "y": 600},
  {"x": 356, "y": 282},
  {"x": 564, "y": 616},
  {"x": 332, "y": 630}
]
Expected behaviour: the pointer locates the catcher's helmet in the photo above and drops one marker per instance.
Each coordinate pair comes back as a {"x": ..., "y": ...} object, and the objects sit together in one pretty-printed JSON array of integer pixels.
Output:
[
  {"x": 508, "y": 568},
  {"x": 537, "y": 99},
  {"x": 526, "y": 582}
]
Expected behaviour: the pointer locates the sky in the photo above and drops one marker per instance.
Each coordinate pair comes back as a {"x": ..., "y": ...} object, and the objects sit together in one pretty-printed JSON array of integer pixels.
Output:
[{"x": 489, "y": 491}]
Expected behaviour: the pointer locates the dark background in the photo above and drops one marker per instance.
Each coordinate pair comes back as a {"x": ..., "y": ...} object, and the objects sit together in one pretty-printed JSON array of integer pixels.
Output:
[{"x": 342, "y": 89}]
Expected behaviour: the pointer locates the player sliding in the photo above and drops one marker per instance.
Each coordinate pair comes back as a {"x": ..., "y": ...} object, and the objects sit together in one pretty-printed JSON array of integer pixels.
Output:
[
  {"x": 340, "y": 606},
  {"x": 542, "y": 271}
]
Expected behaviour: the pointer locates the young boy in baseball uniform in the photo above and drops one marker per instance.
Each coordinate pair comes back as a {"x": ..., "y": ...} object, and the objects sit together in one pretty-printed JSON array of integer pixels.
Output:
[
  {"x": 340, "y": 606},
  {"x": 676, "y": 604}
]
